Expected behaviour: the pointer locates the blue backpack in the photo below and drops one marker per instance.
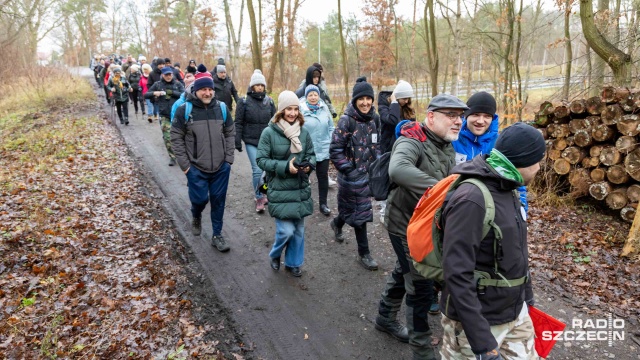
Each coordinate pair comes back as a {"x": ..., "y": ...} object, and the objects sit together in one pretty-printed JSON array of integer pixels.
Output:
[{"x": 188, "y": 106}]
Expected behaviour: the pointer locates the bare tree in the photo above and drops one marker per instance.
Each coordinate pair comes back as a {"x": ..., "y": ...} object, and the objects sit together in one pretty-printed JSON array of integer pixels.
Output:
[
  {"x": 276, "y": 44},
  {"x": 430, "y": 42},
  {"x": 343, "y": 52},
  {"x": 232, "y": 38},
  {"x": 568, "y": 51},
  {"x": 256, "y": 50}
]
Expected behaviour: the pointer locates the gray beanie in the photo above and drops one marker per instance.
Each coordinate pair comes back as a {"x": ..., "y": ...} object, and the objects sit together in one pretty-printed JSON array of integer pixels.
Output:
[
  {"x": 220, "y": 68},
  {"x": 403, "y": 90},
  {"x": 287, "y": 98},
  {"x": 256, "y": 78}
]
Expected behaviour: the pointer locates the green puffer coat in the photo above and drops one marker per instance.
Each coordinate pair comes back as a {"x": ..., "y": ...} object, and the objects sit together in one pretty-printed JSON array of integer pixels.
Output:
[{"x": 289, "y": 196}]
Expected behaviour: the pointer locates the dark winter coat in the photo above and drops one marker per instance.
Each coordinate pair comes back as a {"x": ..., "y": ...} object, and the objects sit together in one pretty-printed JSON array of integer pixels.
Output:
[
  {"x": 134, "y": 80},
  {"x": 436, "y": 158},
  {"x": 253, "y": 114},
  {"x": 225, "y": 91},
  {"x": 206, "y": 140},
  {"x": 465, "y": 250},
  {"x": 390, "y": 116},
  {"x": 289, "y": 194},
  {"x": 323, "y": 93},
  {"x": 121, "y": 94},
  {"x": 154, "y": 77},
  {"x": 173, "y": 89},
  {"x": 352, "y": 150}
]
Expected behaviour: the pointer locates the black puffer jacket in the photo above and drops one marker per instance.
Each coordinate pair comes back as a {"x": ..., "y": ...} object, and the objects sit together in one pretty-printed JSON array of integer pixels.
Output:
[
  {"x": 309, "y": 80},
  {"x": 173, "y": 89},
  {"x": 252, "y": 116},
  {"x": 465, "y": 250},
  {"x": 134, "y": 80},
  {"x": 390, "y": 116},
  {"x": 206, "y": 140},
  {"x": 154, "y": 77},
  {"x": 225, "y": 91}
]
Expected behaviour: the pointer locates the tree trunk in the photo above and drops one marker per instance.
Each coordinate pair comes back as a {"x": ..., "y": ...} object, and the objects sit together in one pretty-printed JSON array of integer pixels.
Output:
[
  {"x": 612, "y": 94},
  {"x": 599, "y": 190},
  {"x": 256, "y": 51},
  {"x": 580, "y": 181},
  {"x": 583, "y": 138},
  {"x": 598, "y": 175},
  {"x": 626, "y": 144},
  {"x": 574, "y": 154},
  {"x": 617, "y": 199},
  {"x": 343, "y": 52},
  {"x": 567, "y": 50},
  {"x": 560, "y": 144},
  {"x": 554, "y": 154},
  {"x": 590, "y": 162},
  {"x": 611, "y": 114},
  {"x": 559, "y": 130},
  {"x": 632, "y": 164},
  {"x": 276, "y": 45},
  {"x": 578, "y": 107},
  {"x": 576, "y": 125},
  {"x": 633, "y": 193},
  {"x": 431, "y": 46},
  {"x": 596, "y": 150},
  {"x": 602, "y": 132},
  {"x": 617, "y": 60},
  {"x": 629, "y": 125},
  {"x": 628, "y": 212},
  {"x": 632, "y": 245},
  {"x": 561, "y": 114},
  {"x": 610, "y": 156},
  {"x": 595, "y": 106},
  {"x": 561, "y": 166},
  {"x": 617, "y": 174}
]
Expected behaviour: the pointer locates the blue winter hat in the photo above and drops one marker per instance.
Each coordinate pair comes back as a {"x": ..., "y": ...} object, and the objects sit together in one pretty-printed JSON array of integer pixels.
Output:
[
  {"x": 167, "y": 70},
  {"x": 203, "y": 79},
  {"x": 311, "y": 88}
]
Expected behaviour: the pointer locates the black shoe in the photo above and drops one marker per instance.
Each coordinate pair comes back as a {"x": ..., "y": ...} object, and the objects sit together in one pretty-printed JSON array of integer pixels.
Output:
[
  {"x": 275, "y": 263},
  {"x": 367, "y": 262},
  {"x": 126, "y": 121},
  {"x": 295, "y": 271},
  {"x": 219, "y": 243},
  {"x": 121, "y": 122},
  {"x": 337, "y": 231},
  {"x": 196, "y": 226},
  {"x": 324, "y": 209},
  {"x": 393, "y": 328},
  {"x": 172, "y": 162}
]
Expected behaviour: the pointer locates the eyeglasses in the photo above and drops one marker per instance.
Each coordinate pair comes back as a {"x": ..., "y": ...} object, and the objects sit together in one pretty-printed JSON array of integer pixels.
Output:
[{"x": 451, "y": 115}]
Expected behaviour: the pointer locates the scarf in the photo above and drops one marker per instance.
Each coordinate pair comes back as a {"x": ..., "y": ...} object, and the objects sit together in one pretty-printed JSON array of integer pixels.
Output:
[
  {"x": 116, "y": 81},
  {"x": 313, "y": 108},
  {"x": 292, "y": 132},
  {"x": 503, "y": 166}
]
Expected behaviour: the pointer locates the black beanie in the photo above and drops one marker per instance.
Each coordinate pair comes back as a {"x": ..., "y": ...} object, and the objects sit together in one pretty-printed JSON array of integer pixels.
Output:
[
  {"x": 360, "y": 89},
  {"x": 481, "y": 102},
  {"x": 522, "y": 144}
]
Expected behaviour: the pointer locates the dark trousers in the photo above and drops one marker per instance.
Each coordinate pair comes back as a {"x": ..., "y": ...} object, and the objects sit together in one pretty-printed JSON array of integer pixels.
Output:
[
  {"x": 123, "y": 109},
  {"x": 205, "y": 187},
  {"x": 135, "y": 97},
  {"x": 405, "y": 280},
  {"x": 361, "y": 235},
  {"x": 322, "y": 173},
  {"x": 107, "y": 93}
]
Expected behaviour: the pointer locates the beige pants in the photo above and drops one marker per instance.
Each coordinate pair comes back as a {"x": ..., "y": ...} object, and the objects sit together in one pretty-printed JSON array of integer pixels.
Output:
[{"x": 515, "y": 339}]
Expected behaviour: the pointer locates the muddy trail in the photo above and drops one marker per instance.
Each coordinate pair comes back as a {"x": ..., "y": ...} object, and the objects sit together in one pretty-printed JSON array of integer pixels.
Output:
[{"x": 329, "y": 312}]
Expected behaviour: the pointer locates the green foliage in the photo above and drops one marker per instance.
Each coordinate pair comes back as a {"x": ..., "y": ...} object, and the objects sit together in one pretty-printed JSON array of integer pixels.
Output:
[
  {"x": 174, "y": 355},
  {"x": 28, "y": 301}
]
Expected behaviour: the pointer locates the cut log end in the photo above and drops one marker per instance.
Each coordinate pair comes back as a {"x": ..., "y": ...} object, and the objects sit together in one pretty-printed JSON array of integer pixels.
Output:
[{"x": 600, "y": 190}]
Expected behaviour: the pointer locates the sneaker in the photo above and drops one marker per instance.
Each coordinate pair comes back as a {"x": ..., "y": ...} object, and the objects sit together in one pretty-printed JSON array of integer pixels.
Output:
[
  {"x": 260, "y": 205},
  {"x": 196, "y": 226},
  {"x": 332, "y": 182},
  {"x": 337, "y": 231},
  {"x": 172, "y": 162},
  {"x": 219, "y": 243},
  {"x": 367, "y": 262},
  {"x": 434, "y": 309},
  {"x": 393, "y": 328}
]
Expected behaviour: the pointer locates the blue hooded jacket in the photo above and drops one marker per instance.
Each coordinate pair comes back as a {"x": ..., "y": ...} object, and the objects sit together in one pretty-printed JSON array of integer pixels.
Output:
[{"x": 469, "y": 146}]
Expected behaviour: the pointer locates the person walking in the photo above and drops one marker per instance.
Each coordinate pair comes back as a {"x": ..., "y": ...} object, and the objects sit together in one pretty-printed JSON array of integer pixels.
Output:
[
  {"x": 207, "y": 164},
  {"x": 144, "y": 80},
  {"x": 135, "y": 90},
  {"x": 119, "y": 87},
  {"x": 395, "y": 108},
  {"x": 225, "y": 90},
  {"x": 317, "y": 119},
  {"x": 490, "y": 320},
  {"x": 421, "y": 157},
  {"x": 285, "y": 152},
  {"x": 192, "y": 68},
  {"x": 317, "y": 79},
  {"x": 353, "y": 148},
  {"x": 165, "y": 92},
  {"x": 253, "y": 114}
]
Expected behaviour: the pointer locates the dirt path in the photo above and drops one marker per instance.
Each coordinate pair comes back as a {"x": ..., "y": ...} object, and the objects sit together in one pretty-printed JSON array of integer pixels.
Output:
[{"x": 326, "y": 314}]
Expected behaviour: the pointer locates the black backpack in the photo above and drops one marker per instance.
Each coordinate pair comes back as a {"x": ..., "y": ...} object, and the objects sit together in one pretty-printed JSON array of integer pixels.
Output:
[{"x": 379, "y": 182}]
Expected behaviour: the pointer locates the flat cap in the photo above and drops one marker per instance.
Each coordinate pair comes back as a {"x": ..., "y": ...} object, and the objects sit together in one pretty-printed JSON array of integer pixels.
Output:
[{"x": 446, "y": 101}]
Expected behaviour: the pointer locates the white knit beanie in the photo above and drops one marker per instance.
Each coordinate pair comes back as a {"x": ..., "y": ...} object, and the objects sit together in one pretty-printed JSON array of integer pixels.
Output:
[
  {"x": 403, "y": 90},
  {"x": 287, "y": 98},
  {"x": 257, "y": 78},
  {"x": 134, "y": 68}
]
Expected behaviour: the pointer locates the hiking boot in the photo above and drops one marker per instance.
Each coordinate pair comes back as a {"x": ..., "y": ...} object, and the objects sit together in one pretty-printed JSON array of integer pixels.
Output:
[
  {"x": 219, "y": 243},
  {"x": 196, "y": 226},
  {"x": 295, "y": 270},
  {"x": 172, "y": 162},
  {"x": 324, "y": 209},
  {"x": 275, "y": 263},
  {"x": 260, "y": 205},
  {"x": 337, "y": 231},
  {"x": 367, "y": 262},
  {"x": 150, "y": 119},
  {"x": 393, "y": 328}
]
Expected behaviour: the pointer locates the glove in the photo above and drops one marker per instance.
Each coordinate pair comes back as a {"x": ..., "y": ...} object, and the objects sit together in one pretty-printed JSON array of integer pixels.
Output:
[
  {"x": 239, "y": 148},
  {"x": 169, "y": 92},
  {"x": 491, "y": 355},
  {"x": 334, "y": 115}
]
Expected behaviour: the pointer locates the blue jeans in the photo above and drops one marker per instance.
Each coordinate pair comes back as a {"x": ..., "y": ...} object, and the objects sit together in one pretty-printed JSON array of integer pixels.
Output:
[
  {"x": 150, "y": 107},
  {"x": 290, "y": 235},
  {"x": 257, "y": 172},
  {"x": 209, "y": 186}
]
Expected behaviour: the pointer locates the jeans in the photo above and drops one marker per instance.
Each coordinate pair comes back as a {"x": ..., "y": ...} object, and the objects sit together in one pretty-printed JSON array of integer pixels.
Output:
[
  {"x": 289, "y": 235},
  {"x": 256, "y": 171},
  {"x": 150, "y": 108},
  {"x": 322, "y": 173},
  {"x": 405, "y": 280},
  {"x": 205, "y": 187}
]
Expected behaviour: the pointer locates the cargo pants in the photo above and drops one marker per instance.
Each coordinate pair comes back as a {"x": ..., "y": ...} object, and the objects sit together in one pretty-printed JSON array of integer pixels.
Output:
[{"x": 165, "y": 126}]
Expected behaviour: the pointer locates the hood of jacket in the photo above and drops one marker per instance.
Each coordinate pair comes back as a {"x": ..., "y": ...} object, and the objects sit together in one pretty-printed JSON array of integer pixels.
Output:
[
  {"x": 354, "y": 113},
  {"x": 478, "y": 167},
  {"x": 309, "y": 78}
]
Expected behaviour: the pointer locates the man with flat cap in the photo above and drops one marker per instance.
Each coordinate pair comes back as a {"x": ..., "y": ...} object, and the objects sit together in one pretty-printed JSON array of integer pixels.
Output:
[
  {"x": 487, "y": 288},
  {"x": 421, "y": 157}
]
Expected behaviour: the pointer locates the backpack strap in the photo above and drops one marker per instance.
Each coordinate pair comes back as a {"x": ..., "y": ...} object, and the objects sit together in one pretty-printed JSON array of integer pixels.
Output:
[
  {"x": 188, "y": 106},
  {"x": 223, "y": 107}
]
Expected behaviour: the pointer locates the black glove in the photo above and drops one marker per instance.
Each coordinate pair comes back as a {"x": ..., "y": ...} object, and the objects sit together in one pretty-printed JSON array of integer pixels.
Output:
[
  {"x": 239, "y": 148},
  {"x": 334, "y": 115},
  {"x": 491, "y": 355}
]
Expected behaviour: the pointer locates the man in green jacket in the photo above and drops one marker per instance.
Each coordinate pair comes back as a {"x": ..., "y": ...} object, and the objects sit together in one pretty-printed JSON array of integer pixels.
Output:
[{"x": 421, "y": 157}]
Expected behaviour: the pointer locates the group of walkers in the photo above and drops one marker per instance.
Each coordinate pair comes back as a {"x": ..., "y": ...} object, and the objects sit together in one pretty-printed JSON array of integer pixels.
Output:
[{"x": 287, "y": 140}]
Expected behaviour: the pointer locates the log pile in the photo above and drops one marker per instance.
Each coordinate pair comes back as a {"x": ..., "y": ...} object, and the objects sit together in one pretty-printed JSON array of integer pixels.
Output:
[{"x": 595, "y": 143}]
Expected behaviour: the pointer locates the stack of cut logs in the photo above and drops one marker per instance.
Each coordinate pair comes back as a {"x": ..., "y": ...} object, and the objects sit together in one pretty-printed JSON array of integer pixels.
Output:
[{"x": 595, "y": 143}]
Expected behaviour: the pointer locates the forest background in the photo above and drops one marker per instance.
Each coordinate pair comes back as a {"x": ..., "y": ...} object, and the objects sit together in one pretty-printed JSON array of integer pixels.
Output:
[{"x": 521, "y": 51}]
